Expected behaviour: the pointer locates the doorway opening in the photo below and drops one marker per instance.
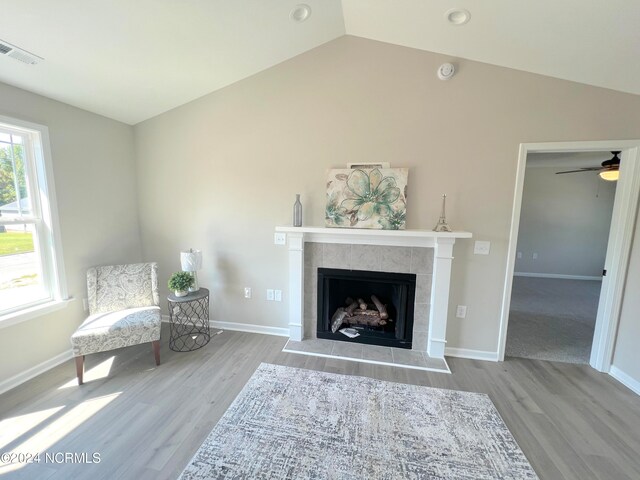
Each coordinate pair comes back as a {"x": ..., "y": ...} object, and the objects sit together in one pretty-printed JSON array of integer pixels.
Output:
[
  {"x": 620, "y": 235},
  {"x": 565, "y": 220}
]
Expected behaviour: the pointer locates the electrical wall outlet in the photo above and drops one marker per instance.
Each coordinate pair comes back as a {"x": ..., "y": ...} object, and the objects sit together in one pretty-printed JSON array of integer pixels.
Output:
[
  {"x": 247, "y": 292},
  {"x": 461, "y": 311},
  {"x": 519, "y": 254},
  {"x": 270, "y": 294},
  {"x": 280, "y": 238},
  {"x": 277, "y": 295},
  {"x": 535, "y": 256}
]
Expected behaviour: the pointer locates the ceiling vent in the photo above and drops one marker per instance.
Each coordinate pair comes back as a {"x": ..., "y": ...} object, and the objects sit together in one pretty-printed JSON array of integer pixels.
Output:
[{"x": 18, "y": 54}]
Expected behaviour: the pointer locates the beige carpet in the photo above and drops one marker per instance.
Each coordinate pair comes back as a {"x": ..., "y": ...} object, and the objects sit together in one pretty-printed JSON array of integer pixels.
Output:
[{"x": 552, "y": 319}]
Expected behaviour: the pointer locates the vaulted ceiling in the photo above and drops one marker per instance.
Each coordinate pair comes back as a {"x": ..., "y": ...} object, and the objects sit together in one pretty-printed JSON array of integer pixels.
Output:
[{"x": 132, "y": 60}]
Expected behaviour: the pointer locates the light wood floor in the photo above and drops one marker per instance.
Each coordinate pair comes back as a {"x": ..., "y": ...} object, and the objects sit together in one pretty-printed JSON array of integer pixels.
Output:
[{"x": 147, "y": 422}]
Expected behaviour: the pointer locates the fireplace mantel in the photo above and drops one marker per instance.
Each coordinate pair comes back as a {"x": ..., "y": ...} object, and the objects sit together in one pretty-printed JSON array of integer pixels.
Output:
[
  {"x": 441, "y": 242},
  {"x": 398, "y": 238}
]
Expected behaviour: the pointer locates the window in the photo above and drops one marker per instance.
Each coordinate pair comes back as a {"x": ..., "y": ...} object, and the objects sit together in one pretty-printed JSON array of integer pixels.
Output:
[{"x": 30, "y": 268}]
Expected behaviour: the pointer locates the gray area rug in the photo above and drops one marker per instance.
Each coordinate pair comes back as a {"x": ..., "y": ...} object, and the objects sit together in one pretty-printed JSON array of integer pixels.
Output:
[
  {"x": 552, "y": 319},
  {"x": 290, "y": 423}
]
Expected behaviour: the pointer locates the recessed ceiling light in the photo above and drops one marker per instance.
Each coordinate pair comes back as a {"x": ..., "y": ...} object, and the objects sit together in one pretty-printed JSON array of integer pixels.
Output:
[
  {"x": 457, "y": 16},
  {"x": 300, "y": 13}
]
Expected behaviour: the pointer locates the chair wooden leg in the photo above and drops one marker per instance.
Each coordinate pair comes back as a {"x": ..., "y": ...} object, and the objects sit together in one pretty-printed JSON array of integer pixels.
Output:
[
  {"x": 156, "y": 350},
  {"x": 80, "y": 368}
]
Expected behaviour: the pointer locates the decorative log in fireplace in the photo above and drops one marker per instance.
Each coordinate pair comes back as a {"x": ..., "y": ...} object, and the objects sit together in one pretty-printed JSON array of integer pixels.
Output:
[
  {"x": 372, "y": 315},
  {"x": 379, "y": 305}
]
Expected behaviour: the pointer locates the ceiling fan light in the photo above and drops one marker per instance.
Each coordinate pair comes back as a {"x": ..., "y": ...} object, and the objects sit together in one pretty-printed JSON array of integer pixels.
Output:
[{"x": 610, "y": 175}]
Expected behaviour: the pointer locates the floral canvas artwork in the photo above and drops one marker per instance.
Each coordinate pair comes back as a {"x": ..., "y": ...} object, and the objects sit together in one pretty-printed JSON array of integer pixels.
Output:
[{"x": 367, "y": 198}]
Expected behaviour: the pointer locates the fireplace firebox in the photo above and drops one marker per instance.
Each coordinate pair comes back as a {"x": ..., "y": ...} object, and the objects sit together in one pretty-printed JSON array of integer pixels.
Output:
[{"x": 378, "y": 306}]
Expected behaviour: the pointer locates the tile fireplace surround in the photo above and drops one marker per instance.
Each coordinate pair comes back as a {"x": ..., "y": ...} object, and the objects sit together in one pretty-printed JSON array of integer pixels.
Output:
[{"x": 426, "y": 253}]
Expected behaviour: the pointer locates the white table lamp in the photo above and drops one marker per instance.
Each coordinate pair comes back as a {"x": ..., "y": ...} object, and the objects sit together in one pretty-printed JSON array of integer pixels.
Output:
[{"x": 192, "y": 262}]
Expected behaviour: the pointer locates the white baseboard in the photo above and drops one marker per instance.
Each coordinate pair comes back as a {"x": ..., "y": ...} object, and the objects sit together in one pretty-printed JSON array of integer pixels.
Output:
[
  {"x": 556, "y": 275},
  {"x": 625, "y": 379},
  {"x": 32, "y": 372},
  {"x": 244, "y": 327},
  {"x": 471, "y": 354},
  {"x": 248, "y": 327}
]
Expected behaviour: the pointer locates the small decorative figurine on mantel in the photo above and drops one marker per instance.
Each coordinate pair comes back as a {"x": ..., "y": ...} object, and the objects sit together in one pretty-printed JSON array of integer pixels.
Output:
[{"x": 442, "y": 225}]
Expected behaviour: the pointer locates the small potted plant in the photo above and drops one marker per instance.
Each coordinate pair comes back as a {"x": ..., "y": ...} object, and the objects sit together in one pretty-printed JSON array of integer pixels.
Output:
[{"x": 180, "y": 283}]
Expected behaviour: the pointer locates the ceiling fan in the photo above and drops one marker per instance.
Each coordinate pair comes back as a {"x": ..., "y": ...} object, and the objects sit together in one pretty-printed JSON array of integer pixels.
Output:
[{"x": 610, "y": 169}]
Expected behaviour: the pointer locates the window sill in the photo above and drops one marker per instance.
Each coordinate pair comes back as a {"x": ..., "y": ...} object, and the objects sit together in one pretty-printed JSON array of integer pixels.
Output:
[{"x": 30, "y": 313}]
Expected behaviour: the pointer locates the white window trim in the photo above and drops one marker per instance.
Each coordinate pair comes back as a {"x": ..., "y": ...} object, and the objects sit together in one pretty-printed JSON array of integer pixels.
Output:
[
  {"x": 52, "y": 255},
  {"x": 33, "y": 311}
]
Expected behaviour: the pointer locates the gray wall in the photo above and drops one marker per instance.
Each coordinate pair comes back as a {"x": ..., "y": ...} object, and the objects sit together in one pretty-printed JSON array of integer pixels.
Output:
[
  {"x": 94, "y": 175},
  {"x": 221, "y": 172},
  {"x": 565, "y": 219}
]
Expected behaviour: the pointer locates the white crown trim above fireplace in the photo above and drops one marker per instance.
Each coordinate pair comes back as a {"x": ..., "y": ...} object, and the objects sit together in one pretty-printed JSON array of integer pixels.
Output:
[{"x": 441, "y": 242}]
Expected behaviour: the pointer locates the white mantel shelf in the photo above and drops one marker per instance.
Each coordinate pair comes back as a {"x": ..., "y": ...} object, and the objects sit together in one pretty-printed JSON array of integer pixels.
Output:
[
  {"x": 399, "y": 238},
  {"x": 441, "y": 242}
]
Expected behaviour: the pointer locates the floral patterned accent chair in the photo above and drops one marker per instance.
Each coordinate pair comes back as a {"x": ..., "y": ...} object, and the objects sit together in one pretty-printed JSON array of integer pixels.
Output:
[{"x": 123, "y": 311}]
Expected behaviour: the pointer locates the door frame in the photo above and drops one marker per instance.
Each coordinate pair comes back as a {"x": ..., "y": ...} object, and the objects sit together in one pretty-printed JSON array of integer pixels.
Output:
[{"x": 623, "y": 217}]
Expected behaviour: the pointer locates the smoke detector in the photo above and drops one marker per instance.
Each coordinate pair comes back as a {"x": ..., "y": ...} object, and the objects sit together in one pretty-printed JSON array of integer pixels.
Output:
[
  {"x": 19, "y": 54},
  {"x": 457, "y": 16},
  {"x": 300, "y": 13},
  {"x": 446, "y": 71}
]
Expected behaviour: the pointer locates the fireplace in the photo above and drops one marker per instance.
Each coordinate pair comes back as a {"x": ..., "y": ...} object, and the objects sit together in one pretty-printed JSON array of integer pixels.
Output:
[
  {"x": 378, "y": 306},
  {"x": 426, "y": 253}
]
